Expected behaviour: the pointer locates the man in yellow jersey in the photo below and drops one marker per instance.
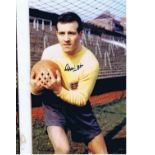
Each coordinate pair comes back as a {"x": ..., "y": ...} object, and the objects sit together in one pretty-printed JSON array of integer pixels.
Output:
[{"x": 67, "y": 106}]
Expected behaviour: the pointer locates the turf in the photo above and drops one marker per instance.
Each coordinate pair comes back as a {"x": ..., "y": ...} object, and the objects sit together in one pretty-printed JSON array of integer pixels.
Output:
[{"x": 112, "y": 120}]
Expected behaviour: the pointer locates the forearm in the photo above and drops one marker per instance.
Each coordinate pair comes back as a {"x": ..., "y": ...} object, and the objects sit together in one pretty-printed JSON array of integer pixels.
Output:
[
  {"x": 80, "y": 96},
  {"x": 73, "y": 97}
]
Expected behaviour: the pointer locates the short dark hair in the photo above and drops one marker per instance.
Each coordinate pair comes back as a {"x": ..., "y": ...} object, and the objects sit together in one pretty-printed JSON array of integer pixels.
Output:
[{"x": 69, "y": 17}]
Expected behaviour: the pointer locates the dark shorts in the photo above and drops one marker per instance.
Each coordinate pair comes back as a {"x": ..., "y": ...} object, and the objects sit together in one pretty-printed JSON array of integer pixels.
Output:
[{"x": 79, "y": 120}]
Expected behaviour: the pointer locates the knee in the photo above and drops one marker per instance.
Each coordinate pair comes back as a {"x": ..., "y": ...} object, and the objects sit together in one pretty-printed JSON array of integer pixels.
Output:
[
  {"x": 63, "y": 149},
  {"x": 97, "y": 145}
]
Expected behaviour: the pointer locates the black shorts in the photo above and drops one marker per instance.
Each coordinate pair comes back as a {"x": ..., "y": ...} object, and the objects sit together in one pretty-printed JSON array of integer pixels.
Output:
[{"x": 80, "y": 120}]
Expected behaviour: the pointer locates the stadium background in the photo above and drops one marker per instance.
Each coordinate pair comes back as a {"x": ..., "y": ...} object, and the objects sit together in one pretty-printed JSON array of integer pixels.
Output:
[
  {"x": 111, "y": 82},
  {"x": 105, "y": 36}
]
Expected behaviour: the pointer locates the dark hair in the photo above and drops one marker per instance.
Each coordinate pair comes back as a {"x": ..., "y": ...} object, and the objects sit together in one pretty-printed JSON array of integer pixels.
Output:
[{"x": 69, "y": 17}]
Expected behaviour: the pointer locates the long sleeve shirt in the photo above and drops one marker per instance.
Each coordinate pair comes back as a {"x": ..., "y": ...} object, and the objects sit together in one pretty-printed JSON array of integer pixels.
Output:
[{"x": 79, "y": 73}]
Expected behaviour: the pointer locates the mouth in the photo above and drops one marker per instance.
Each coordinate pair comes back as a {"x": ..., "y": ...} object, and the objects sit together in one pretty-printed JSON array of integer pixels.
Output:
[{"x": 66, "y": 45}]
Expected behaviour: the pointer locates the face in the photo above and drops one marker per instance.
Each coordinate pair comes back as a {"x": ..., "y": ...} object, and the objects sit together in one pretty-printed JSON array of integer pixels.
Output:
[{"x": 68, "y": 37}]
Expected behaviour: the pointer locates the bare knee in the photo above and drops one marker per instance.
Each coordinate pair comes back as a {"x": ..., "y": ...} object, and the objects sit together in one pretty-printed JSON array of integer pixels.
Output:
[
  {"x": 58, "y": 139},
  {"x": 63, "y": 149},
  {"x": 97, "y": 145}
]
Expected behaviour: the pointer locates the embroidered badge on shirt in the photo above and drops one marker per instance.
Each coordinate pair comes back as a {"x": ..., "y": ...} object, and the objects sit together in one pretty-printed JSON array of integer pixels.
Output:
[{"x": 74, "y": 85}]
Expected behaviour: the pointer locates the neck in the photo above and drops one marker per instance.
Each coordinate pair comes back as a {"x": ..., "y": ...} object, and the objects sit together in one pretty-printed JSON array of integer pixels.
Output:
[{"x": 75, "y": 51}]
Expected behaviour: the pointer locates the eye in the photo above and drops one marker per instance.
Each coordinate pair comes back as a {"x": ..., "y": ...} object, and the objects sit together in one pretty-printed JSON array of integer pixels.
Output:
[
  {"x": 61, "y": 33},
  {"x": 72, "y": 33}
]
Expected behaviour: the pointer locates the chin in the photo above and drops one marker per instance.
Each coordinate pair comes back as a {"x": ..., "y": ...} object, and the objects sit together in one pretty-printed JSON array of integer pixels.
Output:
[{"x": 66, "y": 50}]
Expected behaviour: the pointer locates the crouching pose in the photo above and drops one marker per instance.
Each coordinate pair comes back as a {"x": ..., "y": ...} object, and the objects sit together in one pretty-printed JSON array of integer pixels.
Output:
[{"x": 66, "y": 104}]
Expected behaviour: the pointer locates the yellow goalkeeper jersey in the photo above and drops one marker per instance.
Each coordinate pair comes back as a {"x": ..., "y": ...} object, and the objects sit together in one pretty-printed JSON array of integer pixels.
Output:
[{"x": 79, "y": 73}]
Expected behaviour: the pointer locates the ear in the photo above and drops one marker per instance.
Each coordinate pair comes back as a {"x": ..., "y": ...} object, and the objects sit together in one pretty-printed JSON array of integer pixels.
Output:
[
  {"x": 56, "y": 33},
  {"x": 81, "y": 34}
]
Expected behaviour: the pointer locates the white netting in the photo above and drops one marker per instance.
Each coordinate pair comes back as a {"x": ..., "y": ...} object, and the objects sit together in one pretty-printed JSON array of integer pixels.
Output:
[{"x": 87, "y": 9}]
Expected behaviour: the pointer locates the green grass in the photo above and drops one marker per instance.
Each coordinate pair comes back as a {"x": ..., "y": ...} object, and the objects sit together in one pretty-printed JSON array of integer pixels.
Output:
[{"x": 109, "y": 117}]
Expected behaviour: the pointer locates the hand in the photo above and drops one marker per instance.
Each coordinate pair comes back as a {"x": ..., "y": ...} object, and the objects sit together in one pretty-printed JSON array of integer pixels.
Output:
[
  {"x": 51, "y": 82},
  {"x": 35, "y": 83}
]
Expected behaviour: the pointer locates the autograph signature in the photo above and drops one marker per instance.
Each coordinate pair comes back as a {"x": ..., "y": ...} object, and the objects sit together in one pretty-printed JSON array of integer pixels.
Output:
[{"x": 74, "y": 68}]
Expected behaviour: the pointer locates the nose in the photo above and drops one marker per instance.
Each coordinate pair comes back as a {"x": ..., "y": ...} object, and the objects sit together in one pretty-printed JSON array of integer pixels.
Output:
[{"x": 66, "y": 37}]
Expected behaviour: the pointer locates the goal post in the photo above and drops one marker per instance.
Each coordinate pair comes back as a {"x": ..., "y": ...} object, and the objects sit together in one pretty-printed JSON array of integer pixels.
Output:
[{"x": 23, "y": 58}]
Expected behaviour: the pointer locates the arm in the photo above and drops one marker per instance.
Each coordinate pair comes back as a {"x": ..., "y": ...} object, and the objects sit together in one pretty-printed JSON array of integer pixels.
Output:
[{"x": 86, "y": 85}]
